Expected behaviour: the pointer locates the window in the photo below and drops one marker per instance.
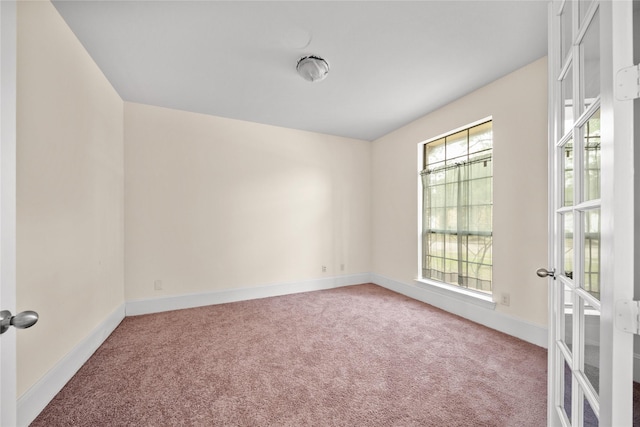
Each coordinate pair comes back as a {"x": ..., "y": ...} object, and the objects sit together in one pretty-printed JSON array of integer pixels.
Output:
[{"x": 457, "y": 208}]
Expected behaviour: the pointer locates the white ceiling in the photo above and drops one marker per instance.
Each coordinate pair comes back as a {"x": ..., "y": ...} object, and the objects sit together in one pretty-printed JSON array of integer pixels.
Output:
[{"x": 391, "y": 62}]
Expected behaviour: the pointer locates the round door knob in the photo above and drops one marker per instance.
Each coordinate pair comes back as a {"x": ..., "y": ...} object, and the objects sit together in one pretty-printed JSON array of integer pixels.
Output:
[
  {"x": 543, "y": 272},
  {"x": 23, "y": 320}
]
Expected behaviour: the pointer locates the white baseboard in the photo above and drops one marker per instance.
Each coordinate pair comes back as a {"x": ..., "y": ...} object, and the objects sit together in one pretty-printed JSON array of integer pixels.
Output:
[
  {"x": 519, "y": 328},
  {"x": 34, "y": 400},
  {"x": 178, "y": 302}
]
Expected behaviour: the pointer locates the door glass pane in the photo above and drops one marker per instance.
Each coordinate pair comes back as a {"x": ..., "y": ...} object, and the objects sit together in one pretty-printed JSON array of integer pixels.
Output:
[
  {"x": 590, "y": 54},
  {"x": 592, "y": 252},
  {"x": 567, "y": 390},
  {"x": 567, "y": 165},
  {"x": 567, "y": 304},
  {"x": 590, "y": 419},
  {"x": 568, "y": 245},
  {"x": 566, "y": 30},
  {"x": 592, "y": 345},
  {"x": 567, "y": 101},
  {"x": 584, "y": 6},
  {"x": 591, "y": 132}
]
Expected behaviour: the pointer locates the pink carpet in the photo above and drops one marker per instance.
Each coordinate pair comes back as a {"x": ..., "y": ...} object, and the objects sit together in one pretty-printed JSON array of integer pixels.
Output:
[{"x": 353, "y": 356}]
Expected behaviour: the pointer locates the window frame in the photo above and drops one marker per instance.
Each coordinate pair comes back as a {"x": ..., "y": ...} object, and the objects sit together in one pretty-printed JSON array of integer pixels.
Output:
[{"x": 482, "y": 299}]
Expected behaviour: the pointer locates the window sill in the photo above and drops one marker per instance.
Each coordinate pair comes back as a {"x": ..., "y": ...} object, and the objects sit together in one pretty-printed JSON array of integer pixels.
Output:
[{"x": 462, "y": 294}]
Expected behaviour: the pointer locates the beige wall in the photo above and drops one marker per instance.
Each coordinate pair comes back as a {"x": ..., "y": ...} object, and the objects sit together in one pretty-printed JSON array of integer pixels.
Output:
[
  {"x": 214, "y": 203},
  {"x": 518, "y": 104},
  {"x": 69, "y": 191}
]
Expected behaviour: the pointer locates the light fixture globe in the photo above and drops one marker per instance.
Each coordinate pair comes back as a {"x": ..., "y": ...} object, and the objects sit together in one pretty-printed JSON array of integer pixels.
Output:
[{"x": 312, "y": 68}]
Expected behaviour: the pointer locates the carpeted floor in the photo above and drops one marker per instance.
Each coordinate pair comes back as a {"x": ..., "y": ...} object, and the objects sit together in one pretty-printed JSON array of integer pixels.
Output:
[{"x": 353, "y": 356}]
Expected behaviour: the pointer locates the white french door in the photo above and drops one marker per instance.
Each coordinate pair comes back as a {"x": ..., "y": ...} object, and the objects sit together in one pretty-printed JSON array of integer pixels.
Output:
[{"x": 591, "y": 213}]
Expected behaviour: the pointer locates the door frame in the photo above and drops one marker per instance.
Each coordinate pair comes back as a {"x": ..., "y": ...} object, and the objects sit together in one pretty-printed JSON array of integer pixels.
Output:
[
  {"x": 616, "y": 354},
  {"x": 8, "y": 58}
]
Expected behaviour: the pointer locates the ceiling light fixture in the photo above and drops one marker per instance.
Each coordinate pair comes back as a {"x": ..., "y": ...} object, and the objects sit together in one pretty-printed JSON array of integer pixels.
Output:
[{"x": 312, "y": 68}]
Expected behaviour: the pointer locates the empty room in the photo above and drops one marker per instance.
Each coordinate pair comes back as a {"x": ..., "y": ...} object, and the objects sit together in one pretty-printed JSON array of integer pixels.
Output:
[{"x": 322, "y": 213}]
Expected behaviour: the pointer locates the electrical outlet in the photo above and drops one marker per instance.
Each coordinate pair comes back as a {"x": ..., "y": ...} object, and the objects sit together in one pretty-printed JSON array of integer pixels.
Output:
[
  {"x": 324, "y": 268},
  {"x": 505, "y": 299},
  {"x": 157, "y": 285},
  {"x": 341, "y": 267}
]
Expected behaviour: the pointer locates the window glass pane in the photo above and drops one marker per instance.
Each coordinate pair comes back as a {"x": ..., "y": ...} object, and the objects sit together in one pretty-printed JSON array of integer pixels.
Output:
[
  {"x": 436, "y": 196},
  {"x": 480, "y": 138},
  {"x": 437, "y": 264},
  {"x": 590, "y": 54},
  {"x": 591, "y": 132},
  {"x": 452, "y": 194},
  {"x": 480, "y": 191},
  {"x": 463, "y": 267},
  {"x": 480, "y": 165},
  {"x": 592, "y": 345},
  {"x": 451, "y": 253},
  {"x": 484, "y": 278},
  {"x": 434, "y": 152},
  {"x": 567, "y": 165},
  {"x": 436, "y": 245},
  {"x": 457, "y": 146},
  {"x": 437, "y": 219},
  {"x": 567, "y": 101},
  {"x": 567, "y": 225},
  {"x": 452, "y": 219},
  {"x": 463, "y": 252},
  {"x": 454, "y": 172},
  {"x": 434, "y": 248},
  {"x": 567, "y": 307},
  {"x": 592, "y": 252},
  {"x": 437, "y": 176},
  {"x": 480, "y": 218},
  {"x": 566, "y": 30},
  {"x": 480, "y": 252}
]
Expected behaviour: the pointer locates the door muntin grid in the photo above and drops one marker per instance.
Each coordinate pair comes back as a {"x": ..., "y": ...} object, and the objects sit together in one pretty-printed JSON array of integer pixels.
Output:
[{"x": 577, "y": 189}]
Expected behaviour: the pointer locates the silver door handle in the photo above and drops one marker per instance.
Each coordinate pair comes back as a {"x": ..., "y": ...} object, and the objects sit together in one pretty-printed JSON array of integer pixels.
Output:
[
  {"x": 23, "y": 320},
  {"x": 543, "y": 272}
]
